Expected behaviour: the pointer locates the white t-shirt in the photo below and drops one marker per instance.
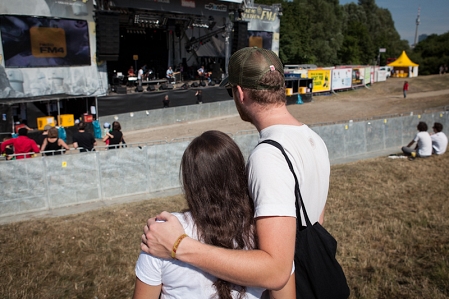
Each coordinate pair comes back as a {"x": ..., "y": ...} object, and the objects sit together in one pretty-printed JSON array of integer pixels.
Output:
[
  {"x": 271, "y": 183},
  {"x": 139, "y": 74},
  {"x": 439, "y": 143},
  {"x": 178, "y": 279},
  {"x": 424, "y": 144}
]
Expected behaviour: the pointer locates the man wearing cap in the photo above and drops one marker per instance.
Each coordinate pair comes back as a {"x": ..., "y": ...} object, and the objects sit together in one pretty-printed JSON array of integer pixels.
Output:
[
  {"x": 256, "y": 81},
  {"x": 22, "y": 145}
]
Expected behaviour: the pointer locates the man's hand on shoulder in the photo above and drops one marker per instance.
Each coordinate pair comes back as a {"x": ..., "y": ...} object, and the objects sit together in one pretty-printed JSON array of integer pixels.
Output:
[{"x": 160, "y": 234}]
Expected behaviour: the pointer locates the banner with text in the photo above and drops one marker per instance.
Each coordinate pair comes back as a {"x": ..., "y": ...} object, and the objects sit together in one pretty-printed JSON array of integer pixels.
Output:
[
  {"x": 321, "y": 80},
  {"x": 341, "y": 78}
]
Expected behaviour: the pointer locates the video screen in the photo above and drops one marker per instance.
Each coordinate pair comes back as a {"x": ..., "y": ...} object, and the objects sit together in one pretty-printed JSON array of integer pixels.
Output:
[
  {"x": 260, "y": 39},
  {"x": 44, "y": 42}
]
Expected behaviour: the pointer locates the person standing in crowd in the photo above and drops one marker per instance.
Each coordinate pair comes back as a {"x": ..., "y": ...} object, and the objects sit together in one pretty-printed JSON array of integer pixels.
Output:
[
  {"x": 199, "y": 96},
  {"x": 439, "y": 139},
  {"x": 257, "y": 85},
  {"x": 405, "y": 89},
  {"x": 212, "y": 159},
  {"x": 22, "y": 145},
  {"x": 423, "y": 147},
  {"x": 165, "y": 102},
  {"x": 83, "y": 139},
  {"x": 53, "y": 143},
  {"x": 114, "y": 137},
  {"x": 43, "y": 136}
]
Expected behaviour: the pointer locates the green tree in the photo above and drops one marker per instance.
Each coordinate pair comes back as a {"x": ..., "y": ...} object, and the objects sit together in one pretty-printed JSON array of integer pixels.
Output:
[{"x": 431, "y": 53}]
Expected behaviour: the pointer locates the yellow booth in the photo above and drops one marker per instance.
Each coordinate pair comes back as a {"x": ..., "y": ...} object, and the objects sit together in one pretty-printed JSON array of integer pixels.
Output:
[{"x": 404, "y": 67}]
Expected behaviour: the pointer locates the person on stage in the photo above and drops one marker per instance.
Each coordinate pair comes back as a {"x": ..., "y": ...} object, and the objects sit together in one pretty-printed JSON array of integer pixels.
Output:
[
  {"x": 131, "y": 72},
  {"x": 170, "y": 75}
]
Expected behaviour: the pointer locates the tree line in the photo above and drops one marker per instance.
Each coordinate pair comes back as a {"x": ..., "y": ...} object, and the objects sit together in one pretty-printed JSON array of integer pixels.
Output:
[{"x": 325, "y": 33}]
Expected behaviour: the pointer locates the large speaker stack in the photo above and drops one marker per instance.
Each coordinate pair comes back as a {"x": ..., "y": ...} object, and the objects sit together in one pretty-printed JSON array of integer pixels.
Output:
[
  {"x": 108, "y": 35},
  {"x": 240, "y": 38}
]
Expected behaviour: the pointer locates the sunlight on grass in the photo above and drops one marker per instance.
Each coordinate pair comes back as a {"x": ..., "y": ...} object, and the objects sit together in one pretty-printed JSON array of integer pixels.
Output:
[{"x": 390, "y": 218}]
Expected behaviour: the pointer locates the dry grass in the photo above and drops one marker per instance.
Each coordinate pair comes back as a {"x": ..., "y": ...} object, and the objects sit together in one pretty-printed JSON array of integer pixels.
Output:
[
  {"x": 390, "y": 218},
  {"x": 393, "y": 86}
]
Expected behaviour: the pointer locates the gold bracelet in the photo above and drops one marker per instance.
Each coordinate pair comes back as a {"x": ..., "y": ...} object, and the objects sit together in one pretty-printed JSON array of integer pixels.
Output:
[{"x": 175, "y": 246}]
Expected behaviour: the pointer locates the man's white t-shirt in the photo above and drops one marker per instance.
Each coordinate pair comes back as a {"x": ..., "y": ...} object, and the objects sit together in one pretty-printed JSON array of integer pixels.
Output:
[
  {"x": 439, "y": 143},
  {"x": 179, "y": 279},
  {"x": 424, "y": 144},
  {"x": 271, "y": 183}
]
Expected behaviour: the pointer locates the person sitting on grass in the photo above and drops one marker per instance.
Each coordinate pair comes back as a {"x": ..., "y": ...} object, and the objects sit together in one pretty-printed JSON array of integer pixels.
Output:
[
  {"x": 424, "y": 143},
  {"x": 439, "y": 139}
]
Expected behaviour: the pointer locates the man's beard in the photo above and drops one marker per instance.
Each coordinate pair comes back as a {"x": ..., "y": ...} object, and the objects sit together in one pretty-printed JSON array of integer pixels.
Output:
[{"x": 243, "y": 114}]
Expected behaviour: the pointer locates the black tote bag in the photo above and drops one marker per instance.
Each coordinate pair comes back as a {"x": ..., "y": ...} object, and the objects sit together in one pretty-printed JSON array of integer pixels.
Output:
[{"x": 318, "y": 274}]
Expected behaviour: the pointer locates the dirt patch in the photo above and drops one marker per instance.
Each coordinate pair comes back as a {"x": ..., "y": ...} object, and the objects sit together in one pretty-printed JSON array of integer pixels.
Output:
[{"x": 381, "y": 99}]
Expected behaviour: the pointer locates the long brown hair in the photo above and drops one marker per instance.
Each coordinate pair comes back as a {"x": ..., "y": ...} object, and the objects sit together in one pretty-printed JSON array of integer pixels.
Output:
[{"x": 216, "y": 189}]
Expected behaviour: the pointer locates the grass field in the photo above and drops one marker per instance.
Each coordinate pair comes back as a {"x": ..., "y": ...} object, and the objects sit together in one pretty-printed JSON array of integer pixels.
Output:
[{"x": 389, "y": 216}]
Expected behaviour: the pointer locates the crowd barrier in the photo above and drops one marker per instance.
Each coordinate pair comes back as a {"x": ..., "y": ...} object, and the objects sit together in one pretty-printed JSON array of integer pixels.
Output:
[
  {"x": 50, "y": 182},
  {"x": 161, "y": 117}
]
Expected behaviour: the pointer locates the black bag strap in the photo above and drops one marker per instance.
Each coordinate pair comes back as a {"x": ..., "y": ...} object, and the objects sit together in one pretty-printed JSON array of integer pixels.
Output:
[{"x": 297, "y": 191}]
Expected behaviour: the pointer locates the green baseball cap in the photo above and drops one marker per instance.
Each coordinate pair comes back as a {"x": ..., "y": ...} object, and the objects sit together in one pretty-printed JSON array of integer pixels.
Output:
[{"x": 247, "y": 67}]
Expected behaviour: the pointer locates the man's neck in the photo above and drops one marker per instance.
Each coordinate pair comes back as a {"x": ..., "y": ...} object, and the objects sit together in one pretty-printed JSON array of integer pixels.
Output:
[{"x": 265, "y": 117}]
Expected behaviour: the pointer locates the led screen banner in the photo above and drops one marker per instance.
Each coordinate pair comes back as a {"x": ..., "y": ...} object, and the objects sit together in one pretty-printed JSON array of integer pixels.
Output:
[
  {"x": 44, "y": 42},
  {"x": 48, "y": 48},
  {"x": 341, "y": 78},
  {"x": 321, "y": 80},
  {"x": 263, "y": 26}
]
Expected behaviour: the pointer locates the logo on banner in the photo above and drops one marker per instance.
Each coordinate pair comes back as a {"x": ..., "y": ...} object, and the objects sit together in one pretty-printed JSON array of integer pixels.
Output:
[
  {"x": 48, "y": 42},
  {"x": 188, "y": 3},
  {"x": 216, "y": 7},
  {"x": 260, "y": 13}
]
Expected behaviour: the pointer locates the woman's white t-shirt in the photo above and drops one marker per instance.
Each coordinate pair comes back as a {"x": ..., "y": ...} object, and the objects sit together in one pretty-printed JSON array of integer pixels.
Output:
[{"x": 181, "y": 280}]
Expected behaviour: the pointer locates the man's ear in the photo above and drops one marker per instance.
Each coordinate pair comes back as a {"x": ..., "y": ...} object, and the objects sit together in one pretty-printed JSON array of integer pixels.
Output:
[{"x": 240, "y": 94}]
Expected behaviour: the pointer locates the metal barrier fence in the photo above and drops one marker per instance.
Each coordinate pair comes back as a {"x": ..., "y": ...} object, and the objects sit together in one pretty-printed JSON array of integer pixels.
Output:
[{"x": 49, "y": 182}]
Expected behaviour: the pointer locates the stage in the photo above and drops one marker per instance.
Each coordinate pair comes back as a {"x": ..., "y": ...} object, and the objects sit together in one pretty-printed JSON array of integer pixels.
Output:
[{"x": 147, "y": 100}]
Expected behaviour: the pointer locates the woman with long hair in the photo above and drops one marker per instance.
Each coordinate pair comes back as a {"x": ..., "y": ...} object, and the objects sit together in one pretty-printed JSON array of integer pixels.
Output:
[
  {"x": 220, "y": 212},
  {"x": 114, "y": 137}
]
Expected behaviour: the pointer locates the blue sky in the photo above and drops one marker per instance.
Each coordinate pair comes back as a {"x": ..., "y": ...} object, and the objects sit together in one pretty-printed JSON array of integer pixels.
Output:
[{"x": 434, "y": 16}]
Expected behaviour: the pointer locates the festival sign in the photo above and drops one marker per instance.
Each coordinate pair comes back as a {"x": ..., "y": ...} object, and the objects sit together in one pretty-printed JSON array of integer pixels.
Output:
[
  {"x": 341, "y": 78},
  {"x": 321, "y": 79}
]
